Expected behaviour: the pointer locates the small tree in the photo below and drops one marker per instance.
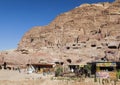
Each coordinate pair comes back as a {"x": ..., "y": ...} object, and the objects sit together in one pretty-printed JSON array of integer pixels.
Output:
[
  {"x": 118, "y": 74},
  {"x": 58, "y": 71},
  {"x": 88, "y": 68}
]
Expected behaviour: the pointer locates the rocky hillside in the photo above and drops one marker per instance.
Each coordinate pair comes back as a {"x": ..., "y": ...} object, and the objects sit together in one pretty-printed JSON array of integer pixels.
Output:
[{"x": 88, "y": 31}]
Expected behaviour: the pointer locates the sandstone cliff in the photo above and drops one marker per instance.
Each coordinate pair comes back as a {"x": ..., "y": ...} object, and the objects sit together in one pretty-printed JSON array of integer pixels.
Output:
[{"x": 85, "y": 32}]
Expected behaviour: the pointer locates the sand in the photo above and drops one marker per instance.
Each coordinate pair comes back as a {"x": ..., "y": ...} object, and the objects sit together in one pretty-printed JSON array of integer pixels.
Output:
[{"x": 10, "y": 77}]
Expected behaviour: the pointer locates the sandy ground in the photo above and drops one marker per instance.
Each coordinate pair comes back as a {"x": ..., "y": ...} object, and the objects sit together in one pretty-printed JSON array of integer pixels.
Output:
[
  {"x": 16, "y": 75},
  {"x": 10, "y": 77}
]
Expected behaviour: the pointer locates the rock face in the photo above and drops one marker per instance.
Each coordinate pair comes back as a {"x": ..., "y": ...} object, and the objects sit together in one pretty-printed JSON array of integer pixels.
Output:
[{"x": 91, "y": 30}]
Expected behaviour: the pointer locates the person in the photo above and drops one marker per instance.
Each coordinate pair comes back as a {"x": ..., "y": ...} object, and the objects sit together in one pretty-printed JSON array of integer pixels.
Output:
[
  {"x": 5, "y": 64},
  {"x": 19, "y": 70}
]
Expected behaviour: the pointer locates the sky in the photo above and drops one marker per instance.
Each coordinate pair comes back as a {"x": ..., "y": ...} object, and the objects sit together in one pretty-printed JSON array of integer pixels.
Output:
[{"x": 19, "y": 16}]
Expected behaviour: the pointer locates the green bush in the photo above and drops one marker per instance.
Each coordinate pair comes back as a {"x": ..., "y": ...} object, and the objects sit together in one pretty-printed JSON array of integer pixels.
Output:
[
  {"x": 118, "y": 74},
  {"x": 58, "y": 71}
]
